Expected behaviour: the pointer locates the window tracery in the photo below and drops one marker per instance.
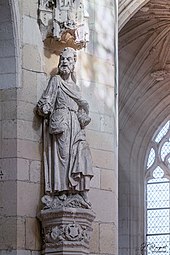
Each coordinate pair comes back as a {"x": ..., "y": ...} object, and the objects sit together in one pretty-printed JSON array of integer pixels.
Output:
[{"x": 158, "y": 193}]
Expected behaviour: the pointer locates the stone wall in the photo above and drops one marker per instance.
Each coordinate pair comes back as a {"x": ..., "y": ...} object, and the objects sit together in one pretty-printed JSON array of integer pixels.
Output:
[{"x": 21, "y": 145}]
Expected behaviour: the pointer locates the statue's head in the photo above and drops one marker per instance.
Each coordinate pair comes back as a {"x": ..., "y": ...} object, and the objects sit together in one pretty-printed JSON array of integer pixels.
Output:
[{"x": 67, "y": 61}]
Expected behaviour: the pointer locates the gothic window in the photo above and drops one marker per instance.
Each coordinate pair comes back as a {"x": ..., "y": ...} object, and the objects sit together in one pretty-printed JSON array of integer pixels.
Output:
[{"x": 158, "y": 193}]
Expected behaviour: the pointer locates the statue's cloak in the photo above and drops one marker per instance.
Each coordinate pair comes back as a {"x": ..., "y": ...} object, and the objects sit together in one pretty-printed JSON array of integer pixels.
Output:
[{"x": 67, "y": 157}]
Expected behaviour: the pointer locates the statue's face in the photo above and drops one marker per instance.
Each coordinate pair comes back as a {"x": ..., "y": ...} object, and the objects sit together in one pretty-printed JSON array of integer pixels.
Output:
[{"x": 67, "y": 63}]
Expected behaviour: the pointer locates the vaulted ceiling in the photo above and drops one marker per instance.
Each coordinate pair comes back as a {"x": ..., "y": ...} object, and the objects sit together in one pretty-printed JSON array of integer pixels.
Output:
[
  {"x": 127, "y": 8},
  {"x": 144, "y": 68}
]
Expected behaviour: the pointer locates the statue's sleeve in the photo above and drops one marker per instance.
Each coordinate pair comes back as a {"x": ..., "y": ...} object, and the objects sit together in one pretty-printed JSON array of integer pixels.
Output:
[
  {"x": 47, "y": 101},
  {"x": 83, "y": 104}
]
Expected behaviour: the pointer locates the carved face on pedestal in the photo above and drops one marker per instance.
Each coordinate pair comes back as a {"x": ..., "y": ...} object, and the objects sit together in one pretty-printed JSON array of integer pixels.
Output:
[{"x": 67, "y": 61}]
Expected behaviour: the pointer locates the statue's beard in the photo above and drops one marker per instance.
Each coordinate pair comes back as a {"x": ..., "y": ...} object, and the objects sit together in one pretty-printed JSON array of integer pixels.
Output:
[{"x": 65, "y": 70}]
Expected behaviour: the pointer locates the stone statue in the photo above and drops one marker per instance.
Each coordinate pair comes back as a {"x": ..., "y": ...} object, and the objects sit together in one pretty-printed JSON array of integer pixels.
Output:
[{"x": 67, "y": 158}]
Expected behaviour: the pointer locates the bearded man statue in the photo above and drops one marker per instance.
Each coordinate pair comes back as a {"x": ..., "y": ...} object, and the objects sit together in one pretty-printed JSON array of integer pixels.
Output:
[{"x": 67, "y": 158}]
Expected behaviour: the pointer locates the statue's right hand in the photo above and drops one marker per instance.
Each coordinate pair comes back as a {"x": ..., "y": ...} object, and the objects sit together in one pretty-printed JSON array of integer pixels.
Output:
[{"x": 46, "y": 109}]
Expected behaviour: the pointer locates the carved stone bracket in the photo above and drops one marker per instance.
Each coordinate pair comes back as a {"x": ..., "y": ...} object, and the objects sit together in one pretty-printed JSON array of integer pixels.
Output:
[
  {"x": 66, "y": 230},
  {"x": 65, "y": 21}
]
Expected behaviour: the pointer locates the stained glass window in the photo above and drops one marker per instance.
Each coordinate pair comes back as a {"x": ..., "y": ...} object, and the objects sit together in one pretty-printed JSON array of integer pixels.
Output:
[{"x": 158, "y": 194}]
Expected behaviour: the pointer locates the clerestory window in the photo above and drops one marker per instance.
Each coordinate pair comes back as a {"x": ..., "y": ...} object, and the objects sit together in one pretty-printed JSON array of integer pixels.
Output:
[{"x": 158, "y": 193}]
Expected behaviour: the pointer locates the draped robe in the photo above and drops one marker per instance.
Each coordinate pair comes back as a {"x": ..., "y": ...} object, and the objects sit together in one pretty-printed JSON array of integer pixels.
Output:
[{"x": 67, "y": 157}]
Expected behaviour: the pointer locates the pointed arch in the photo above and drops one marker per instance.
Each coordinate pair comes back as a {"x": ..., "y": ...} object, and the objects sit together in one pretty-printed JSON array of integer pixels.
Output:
[{"x": 9, "y": 44}]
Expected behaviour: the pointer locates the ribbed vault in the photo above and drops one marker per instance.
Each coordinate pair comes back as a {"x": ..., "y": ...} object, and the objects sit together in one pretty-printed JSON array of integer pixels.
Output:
[
  {"x": 144, "y": 103},
  {"x": 127, "y": 8}
]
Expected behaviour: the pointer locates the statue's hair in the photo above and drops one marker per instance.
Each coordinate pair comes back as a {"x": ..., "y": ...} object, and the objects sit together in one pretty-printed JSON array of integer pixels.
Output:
[{"x": 70, "y": 50}]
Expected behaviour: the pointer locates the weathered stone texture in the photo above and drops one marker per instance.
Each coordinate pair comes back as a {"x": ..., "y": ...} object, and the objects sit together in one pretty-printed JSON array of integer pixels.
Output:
[
  {"x": 28, "y": 194},
  {"x": 108, "y": 239},
  {"x": 33, "y": 234}
]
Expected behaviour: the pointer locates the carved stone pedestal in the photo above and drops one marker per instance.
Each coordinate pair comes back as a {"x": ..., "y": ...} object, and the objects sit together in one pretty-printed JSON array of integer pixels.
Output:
[{"x": 66, "y": 230}]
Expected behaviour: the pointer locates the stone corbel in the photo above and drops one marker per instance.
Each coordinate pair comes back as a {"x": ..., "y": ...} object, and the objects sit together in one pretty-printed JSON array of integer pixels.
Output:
[
  {"x": 66, "y": 230},
  {"x": 65, "y": 21}
]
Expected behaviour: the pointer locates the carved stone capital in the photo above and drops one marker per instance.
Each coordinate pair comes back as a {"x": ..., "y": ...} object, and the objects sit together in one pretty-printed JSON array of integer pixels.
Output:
[{"x": 66, "y": 230}]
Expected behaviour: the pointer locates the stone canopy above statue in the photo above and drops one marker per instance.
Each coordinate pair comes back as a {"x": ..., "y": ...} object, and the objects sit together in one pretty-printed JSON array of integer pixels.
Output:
[{"x": 65, "y": 21}]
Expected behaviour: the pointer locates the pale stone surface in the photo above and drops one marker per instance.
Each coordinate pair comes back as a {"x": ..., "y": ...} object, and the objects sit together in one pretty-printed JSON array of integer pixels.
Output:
[
  {"x": 19, "y": 252},
  {"x": 8, "y": 233},
  {"x": 103, "y": 159},
  {"x": 27, "y": 196},
  {"x": 35, "y": 171},
  {"x": 108, "y": 239},
  {"x": 9, "y": 110},
  {"x": 30, "y": 8},
  {"x": 28, "y": 92},
  {"x": 7, "y": 48},
  {"x": 107, "y": 210},
  {"x": 28, "y": 150},
  {"x": 8, "y": 65},
  {"x": 21, "y": 233},
  {"x": 35, "y": 253},
  {"x": 95, "y": 182},
  {"x": 23, "y": 252},
  {"x": 107, "y": 124},
  {"x": 100, "y": 139},
  {"x": 22, "y": 169},
  {"x": 94, "y": 243},
  {"x": 7, "y": 252},
  {"x": 28, "y": 24},
  {"x": 1, "y": 110},
  {"x": 89, "y": 90},
  {"x": 25, "y": 110},
  {"x": 26, "y": 131},
  {"x": 9, "y": 148},
  {"x": 9, "y": 129},
  {"x": 95, "y": 69},
  {"x": 108, "y": 180},
  {"x": 8, "y": 191},
  {"x": 32, "y": 234},
  {"x": 9, "y": 169},
  {"x": 95, "y": 123},
  {"x": 31, "y": 58},
  {"x": 7, "y": 80},
  {"x": 8, "y": 95}
]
